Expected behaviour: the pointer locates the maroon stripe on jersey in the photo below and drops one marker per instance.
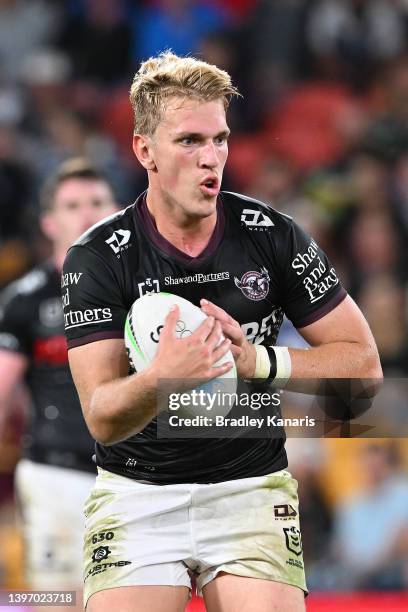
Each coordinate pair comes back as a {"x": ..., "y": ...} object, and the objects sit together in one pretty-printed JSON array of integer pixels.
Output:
[
  {"x": 50, "y": 350},
  {"x": 324, "y": 310},
  {"x": 149, "y": 225},
  {"x": 95, "y": 337}
]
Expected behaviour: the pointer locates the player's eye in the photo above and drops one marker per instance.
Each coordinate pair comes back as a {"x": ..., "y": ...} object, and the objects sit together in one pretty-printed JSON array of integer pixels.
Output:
[
  {"x": 221, "y": 139},
  {"x": 187, "y": 141}
]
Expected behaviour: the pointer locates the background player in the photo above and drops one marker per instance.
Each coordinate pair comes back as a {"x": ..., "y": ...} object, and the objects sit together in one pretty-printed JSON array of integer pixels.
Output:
[
  {"x": 56, "y": 473},
  {"x": 198, "y": 518}
]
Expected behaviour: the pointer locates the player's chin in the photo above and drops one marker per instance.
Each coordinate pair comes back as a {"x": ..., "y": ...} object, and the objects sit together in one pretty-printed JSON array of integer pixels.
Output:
[
  {"x": 206, "y": 209},
  {"x": 207, "y": 202}
]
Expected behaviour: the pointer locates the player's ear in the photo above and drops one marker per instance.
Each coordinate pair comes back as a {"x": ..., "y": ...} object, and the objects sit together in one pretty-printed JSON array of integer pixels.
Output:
[{"x": 142, "y": 147}]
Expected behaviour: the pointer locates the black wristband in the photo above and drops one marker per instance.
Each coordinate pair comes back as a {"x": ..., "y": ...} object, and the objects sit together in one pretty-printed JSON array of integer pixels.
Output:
[{"x": 272, "y": 360}]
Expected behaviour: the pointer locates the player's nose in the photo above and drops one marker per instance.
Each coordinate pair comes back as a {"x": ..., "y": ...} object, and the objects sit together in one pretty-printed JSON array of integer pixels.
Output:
[{"x": 208, "y": 156}]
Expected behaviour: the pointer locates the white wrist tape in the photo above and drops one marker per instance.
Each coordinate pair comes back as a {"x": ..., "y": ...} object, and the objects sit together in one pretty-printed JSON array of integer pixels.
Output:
[
  {"x": 263, "y": 365},
  {"x": 283, "y": 365}
]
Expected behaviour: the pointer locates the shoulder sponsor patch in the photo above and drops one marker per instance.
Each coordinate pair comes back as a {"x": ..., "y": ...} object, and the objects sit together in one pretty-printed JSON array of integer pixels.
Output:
[
  {"x": 317, "y": 277},
  {"x": 79, "y": 318}
]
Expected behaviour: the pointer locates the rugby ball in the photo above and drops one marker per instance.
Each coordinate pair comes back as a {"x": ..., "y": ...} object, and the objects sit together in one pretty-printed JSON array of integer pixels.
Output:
[{"x": 144, "y": 322}]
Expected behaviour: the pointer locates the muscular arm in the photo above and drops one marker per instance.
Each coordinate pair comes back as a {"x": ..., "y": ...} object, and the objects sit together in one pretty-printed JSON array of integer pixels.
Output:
[
  {"x": 342, "y": 347},
  {"x": 117, "y": 406}
]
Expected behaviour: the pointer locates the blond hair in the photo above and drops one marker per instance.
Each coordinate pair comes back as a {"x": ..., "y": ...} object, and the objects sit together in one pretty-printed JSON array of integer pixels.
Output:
[{"x": 168, "y": 75}]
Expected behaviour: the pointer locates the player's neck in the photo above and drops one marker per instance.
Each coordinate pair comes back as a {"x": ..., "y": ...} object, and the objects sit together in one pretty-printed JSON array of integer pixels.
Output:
[{"x": 190, "y": 235}]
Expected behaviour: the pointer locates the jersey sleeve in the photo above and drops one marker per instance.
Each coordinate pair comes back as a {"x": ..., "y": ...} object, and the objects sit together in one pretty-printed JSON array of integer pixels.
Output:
[
  {"x": 14, "y": 324},
  {"x": 92, "y": 298},
  {"x": 312, "y": 287}
]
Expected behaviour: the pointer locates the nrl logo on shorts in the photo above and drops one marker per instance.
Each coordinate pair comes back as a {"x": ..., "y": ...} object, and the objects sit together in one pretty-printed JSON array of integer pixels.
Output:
[
  {"x": 100, "y": 553},
  {"x": 293, "y": 540},
  {"x": 254, "y": 285}
]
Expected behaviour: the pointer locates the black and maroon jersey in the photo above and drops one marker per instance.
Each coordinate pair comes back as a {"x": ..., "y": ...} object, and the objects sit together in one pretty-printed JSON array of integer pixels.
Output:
[
  {"x": 258, "y": 266},
  {"x": 31, "y": 323}
]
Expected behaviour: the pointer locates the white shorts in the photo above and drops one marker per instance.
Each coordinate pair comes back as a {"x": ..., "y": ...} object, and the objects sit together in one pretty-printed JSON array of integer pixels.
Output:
[
  {"x": 52, "y": 500},
  {"x": 145, "y": 534}
]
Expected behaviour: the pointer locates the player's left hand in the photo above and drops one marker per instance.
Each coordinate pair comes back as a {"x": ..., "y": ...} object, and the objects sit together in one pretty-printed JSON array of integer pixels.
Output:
[{"x": 243, "y": 351}]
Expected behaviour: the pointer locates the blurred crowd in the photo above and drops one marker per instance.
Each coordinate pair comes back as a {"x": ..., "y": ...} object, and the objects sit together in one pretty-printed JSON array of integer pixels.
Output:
[{"x": 321, "y": 133}]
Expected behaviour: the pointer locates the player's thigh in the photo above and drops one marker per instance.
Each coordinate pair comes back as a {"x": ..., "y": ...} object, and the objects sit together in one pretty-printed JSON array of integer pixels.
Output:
[
  {"x": 229, "y": 593},
  {"x": 140, "y": 599}
]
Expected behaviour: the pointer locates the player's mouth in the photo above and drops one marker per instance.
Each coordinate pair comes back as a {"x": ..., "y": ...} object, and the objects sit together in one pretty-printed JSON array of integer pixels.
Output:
[{"x": 210, "y": 186}]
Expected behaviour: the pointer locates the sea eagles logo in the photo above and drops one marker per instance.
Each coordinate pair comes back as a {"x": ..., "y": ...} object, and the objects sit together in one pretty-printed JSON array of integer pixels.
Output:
[{"x": 254, "y": 285}]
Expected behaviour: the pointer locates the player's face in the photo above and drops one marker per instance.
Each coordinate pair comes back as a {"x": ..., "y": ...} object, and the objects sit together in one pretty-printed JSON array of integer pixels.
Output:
[
  {"x": 190, "y": 148},
  {"x": 78, "y": 204}
]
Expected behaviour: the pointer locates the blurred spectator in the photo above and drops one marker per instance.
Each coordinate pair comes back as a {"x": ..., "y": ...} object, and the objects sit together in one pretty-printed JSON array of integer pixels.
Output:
[
  {"x": 383, "y": 294},
  {"x": 69, "y": 134},
  {"x": 349, "y": 37},
  {"x": 274, "y": 45},
  {"x": 178, "y": 25},
  {"x": 315, "y": 124},
  {"x": 276, "y": 182},
  {"x": 371, "y": 232},
  {"x": 16, "y": 183},
  {"x": 45, "y": 75},
  {"x": 25, "y": 26},
  {"x": 240, "y": 9},
  {"x": 401, "y": 186},
  {"x": 387, "y": 135},
  {"x": 372, "y": 527},
  {"x": 98, "y": 41}
]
